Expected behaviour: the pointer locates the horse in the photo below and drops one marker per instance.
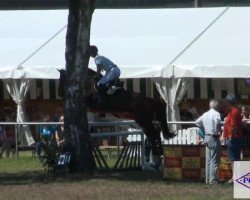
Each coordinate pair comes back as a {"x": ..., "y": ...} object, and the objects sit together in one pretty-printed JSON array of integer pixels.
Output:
[{"x": 147, "y": 112}]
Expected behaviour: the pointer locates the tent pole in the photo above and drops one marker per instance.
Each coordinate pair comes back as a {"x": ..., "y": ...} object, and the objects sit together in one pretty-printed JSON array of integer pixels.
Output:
[{"x": 16, "y": 139}]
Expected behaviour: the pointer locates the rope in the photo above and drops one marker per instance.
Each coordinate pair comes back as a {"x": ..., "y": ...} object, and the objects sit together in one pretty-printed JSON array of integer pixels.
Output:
[
  {"x": 44, "y": 44},
  {"x": 199, "y": 35}
]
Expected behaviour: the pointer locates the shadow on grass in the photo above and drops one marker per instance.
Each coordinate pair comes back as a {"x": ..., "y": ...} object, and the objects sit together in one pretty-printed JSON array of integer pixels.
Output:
[{"x": 30, "y": 177}]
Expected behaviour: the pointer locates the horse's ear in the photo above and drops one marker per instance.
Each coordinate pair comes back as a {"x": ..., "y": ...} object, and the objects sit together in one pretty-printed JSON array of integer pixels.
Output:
[{"x": 62, "y": 72}]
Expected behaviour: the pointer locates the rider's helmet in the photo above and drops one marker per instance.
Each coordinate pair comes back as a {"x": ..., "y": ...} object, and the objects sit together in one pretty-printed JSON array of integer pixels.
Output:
[{"x": 93, "y": 50}]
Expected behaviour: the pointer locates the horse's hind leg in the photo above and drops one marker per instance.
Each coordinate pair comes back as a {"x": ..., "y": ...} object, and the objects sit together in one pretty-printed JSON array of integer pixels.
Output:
[
  {"x": 157, "y": 151},
  {"x": 156, "y": 147}
]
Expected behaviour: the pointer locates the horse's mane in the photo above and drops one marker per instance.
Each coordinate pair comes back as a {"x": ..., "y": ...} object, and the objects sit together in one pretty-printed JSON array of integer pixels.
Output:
[{"x": 92, "y": 74}]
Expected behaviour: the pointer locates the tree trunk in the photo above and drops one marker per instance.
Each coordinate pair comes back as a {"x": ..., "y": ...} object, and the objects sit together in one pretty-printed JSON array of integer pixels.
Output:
[{"x": 77, "y": 59}]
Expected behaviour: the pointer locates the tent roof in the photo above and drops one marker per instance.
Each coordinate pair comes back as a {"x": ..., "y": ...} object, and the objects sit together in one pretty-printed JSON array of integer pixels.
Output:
[
  {"x": 221, "y": 51},
  {"x": 22, "y": 33},
  {"x": 142, "y": 42}
]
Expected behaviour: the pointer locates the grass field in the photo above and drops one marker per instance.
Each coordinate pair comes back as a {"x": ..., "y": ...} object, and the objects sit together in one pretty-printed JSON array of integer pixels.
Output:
[{"x": 24, "y": 178}]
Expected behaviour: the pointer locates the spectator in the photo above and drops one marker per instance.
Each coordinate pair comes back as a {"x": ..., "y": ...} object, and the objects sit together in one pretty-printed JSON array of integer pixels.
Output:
[
  {"x": 1, "y": 135},
  {"x": 56, "y": 117},
  {"x": 44, "y": 135},
  {"x": 232, "y": 131},
  {"x": 245, "y": 114},
  {"x": 1, "y": 130},
  {"x": 9, "y": 132},
  {"x": 210, "y": 122},
  {"x": 59, "y": 133},
  {"x": 8, "y": 141},
  {"x": 245, "y": 125}
]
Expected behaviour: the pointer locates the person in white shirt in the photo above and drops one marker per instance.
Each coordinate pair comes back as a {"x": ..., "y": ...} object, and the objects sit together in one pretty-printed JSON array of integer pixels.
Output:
[{"x": 210, "y": 122}]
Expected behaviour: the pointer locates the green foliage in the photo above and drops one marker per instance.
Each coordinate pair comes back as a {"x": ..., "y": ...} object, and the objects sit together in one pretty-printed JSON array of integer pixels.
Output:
[{"x": 50, "y": 155}]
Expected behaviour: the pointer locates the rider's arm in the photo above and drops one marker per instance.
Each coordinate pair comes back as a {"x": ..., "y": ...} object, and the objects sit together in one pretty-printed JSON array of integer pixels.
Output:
[
  {"x": 99, "y": 64},
  {"x": 99, "y": 69}
]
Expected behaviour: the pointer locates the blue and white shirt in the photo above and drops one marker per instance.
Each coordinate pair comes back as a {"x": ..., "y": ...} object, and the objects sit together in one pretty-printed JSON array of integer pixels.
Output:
[
  {"x": 210, "y": 121},
  {"x": 103, "y": 63}
]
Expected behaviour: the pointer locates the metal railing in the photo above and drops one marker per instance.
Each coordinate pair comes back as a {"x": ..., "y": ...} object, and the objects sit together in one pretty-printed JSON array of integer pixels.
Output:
[{"x": 121, "y": 128}]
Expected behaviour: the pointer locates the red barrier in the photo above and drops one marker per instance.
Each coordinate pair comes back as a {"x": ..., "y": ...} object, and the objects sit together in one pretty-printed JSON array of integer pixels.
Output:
[{"x": 188, "y": 162}]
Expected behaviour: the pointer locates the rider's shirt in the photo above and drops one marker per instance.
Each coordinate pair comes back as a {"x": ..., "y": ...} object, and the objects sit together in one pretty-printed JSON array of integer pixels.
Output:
[{"x": 103, "y": 63}]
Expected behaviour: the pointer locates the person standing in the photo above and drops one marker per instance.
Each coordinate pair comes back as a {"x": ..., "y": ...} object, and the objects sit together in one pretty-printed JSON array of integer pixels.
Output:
[
  {"x": 8, "y": 132},
  {"x": 1, "y": 135},
  {"x": 233, "y": 131},
  {"x": 8, "y": 141},
  {"x": 210, "y": 122},
  {"x": 245, "y": 126},
  {"x": 59, "y": 133},
  {"x": 112, "y": 73},
  {"x": 44, "y": 135},
  {"x": 245, "y": 114}
]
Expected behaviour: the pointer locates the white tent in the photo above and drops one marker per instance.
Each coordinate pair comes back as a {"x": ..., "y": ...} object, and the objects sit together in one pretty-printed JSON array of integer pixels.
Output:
[
  {"x": 221, "y": 51},
  {"x": 143, "y": 41},
  {"x": 32, "y": 47},
  {"x": 168, "y": 45},
  {"x": 172, "y": 40}
]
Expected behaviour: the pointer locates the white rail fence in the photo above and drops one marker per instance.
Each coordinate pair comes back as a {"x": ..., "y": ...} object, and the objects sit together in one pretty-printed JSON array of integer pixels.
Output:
[
  {"x": 184, "y": 136},
  {"x": 187, "y": 136}
]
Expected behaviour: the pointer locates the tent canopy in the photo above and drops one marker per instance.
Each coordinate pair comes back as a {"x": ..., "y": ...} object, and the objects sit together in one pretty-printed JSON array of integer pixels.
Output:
[
  {"x": 221, "y": 51},
  {"x": 196, "y": 42},
  {"x": 22, "y": 33},
  {"x": 146, "y": 40},
  {"x": 144, "y": 43}
]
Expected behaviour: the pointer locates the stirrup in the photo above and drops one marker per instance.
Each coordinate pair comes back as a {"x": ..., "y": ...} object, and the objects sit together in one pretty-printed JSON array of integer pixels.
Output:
[{"x": 112, "y": 90}]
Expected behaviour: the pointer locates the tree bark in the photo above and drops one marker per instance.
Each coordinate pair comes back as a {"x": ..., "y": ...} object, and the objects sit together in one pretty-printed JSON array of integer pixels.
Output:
[{"x": 77, "y": 60}]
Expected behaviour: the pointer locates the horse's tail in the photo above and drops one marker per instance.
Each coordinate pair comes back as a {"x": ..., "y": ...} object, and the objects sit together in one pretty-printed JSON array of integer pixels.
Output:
[{"x": 160, "y": 116}]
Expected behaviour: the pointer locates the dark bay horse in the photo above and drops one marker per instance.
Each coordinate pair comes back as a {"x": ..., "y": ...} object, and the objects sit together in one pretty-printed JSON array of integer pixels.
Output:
[{"x": 148, "y": 113}]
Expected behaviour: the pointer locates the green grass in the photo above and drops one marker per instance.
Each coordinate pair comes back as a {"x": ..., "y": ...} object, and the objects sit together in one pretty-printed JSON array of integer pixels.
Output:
[
  {"x": 24, "y": 178},
  {"x": 25, "y": 162},
  {"x": 110, "y": 157}
]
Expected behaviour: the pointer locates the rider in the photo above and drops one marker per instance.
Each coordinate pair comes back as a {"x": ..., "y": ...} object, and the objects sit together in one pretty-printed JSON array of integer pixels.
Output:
[{"x": 112, "y": 72}]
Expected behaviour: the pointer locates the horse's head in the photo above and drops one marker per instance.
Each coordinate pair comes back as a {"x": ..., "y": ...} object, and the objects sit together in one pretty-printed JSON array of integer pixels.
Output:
[
  {"x": 93, "y": 78},
  {"x": 94, "y": 75}
]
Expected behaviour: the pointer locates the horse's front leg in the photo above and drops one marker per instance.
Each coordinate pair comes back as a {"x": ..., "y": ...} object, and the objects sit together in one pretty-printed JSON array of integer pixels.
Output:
[{"x": 154, "y": 141}]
